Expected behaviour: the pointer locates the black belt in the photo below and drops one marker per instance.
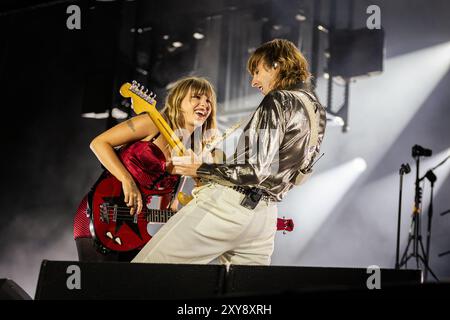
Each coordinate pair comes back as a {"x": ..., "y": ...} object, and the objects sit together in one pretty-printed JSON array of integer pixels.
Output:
[{"x": 248, "y": 191}]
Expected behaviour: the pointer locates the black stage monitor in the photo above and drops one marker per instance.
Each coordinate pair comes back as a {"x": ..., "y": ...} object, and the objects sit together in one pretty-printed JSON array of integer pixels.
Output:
[{"x": 355, "y": 53}]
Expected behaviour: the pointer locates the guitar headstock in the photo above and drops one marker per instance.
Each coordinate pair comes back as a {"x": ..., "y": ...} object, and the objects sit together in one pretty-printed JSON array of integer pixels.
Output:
[{"x": 140, "y": 97}]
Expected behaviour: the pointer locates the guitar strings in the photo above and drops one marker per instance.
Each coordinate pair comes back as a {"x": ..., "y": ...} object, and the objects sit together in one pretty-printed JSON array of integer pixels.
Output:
[
  {"x": 151, "y": 216},
  {"x": 132, "y": 217},
  {"x": 149, "y": 213},
  {"x": 124, "y": 217}
]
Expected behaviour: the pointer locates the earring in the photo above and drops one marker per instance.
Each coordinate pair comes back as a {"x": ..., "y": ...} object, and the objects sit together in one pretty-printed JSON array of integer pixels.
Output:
[{"x": 275, "y": 65}]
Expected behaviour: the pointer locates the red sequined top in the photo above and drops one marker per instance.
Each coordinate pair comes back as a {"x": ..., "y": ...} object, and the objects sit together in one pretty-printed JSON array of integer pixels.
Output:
[{"x": 147, "y": 164}]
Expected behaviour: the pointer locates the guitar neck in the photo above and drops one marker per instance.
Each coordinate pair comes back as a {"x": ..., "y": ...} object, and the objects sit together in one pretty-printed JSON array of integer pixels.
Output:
[
  {"x": 167, "y": 132},
  {"x": 211, "y": 145},
  {"x": 160, "y": 216}
]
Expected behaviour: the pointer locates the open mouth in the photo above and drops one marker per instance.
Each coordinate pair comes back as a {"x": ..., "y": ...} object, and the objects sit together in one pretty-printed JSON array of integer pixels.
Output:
[{"x": 201, "y": 113}]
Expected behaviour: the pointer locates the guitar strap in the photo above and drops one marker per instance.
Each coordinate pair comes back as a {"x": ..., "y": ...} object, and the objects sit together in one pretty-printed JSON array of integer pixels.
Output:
[
  {"x": 176, "y": 189},
  {"x": 305, "y": 171},
  {"x": 90, "y": 194}
]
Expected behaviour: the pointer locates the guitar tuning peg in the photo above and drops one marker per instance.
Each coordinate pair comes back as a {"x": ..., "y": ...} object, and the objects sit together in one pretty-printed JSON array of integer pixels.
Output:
[{"x": 134, "y": 82}]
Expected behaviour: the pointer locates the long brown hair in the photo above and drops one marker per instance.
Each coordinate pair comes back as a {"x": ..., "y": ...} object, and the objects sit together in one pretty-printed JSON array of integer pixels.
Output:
[
  {"x": 293, "y": 67},
  {"x": 172, "y": 107}
]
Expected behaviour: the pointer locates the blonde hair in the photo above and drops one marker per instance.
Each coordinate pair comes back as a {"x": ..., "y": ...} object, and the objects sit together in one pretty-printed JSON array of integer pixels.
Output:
[
  {"x": 293, "y": 67},
  {"x": 172, "y": 108}
]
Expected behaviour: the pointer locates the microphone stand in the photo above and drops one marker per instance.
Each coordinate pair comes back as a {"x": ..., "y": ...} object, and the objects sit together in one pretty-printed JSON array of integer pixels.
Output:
[
  {"x": 415, "y": 231},
  {"x": 432, "y": 178},
  {"x": 404, "y": 169}
]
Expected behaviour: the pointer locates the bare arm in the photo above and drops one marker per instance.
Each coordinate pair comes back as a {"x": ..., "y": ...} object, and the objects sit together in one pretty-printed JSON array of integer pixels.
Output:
[{"x": 103, "y": 145}]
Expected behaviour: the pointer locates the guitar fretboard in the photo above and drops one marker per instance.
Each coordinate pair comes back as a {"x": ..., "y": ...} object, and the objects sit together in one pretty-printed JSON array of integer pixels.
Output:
[{"x": 161, "y": 216}]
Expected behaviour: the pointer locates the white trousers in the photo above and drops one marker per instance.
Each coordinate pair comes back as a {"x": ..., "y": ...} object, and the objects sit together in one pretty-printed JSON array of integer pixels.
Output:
[{"x": 215, "y": 225}]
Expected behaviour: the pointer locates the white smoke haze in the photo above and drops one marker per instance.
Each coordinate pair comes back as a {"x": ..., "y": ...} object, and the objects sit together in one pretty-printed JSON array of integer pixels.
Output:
[
  {"x": 361, "y": 229},
  {"x": 309, "y": 206},
  {"x": 48, "y": 235}
]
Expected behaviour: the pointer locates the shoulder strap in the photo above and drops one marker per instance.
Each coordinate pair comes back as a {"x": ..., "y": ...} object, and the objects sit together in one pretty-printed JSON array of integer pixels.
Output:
[
  {"x": 155, "y": 137},
  {"x": 305, "y": 171},
  {"x": 310, "y": 111},
  {"x": 177, "y": 188}
]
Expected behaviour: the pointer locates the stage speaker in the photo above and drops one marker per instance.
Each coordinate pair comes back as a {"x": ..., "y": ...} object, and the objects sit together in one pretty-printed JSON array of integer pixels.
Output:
[
  {"x": 9, "y": 290},
  {"x": 68, "y": 280},
  {"x": 356, "y": 53},
  {"x": 280, "y": 279}
]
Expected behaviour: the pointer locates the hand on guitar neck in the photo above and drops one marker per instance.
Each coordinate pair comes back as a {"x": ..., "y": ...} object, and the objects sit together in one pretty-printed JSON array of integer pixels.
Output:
[{"x": 185, "y": 165}]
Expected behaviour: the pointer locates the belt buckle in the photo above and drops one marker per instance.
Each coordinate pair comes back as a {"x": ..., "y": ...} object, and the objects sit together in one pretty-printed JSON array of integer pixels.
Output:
[{"x": 252, "y": 199}]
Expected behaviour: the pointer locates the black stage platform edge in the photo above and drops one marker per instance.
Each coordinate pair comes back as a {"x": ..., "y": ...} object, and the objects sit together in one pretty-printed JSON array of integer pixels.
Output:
[
  {"x": 119, "y": 280},
  {"x": 255, "y": 279},
  {"x": 394, "y": 292}
]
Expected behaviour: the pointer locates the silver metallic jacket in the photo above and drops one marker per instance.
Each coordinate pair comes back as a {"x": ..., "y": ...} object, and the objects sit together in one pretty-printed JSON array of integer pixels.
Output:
[{"x": 273, "y": 146}]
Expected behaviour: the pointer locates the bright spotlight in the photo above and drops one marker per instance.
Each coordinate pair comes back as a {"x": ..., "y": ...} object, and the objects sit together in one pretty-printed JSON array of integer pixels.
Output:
[
  {"x": 310, "y": 205},
  {"x": 96, "y": 115},
  {"x": 322, "y": 28},
  {"x": 198, "y": 35},
  {"x": 300, "y": 17},
  {"x": 359, "y": 164},
  {"x": 333, "y": 120}
]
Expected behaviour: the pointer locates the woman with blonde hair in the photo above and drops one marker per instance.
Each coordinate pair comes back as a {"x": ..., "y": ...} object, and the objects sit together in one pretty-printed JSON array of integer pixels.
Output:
[{"x": 135, "y": 153}]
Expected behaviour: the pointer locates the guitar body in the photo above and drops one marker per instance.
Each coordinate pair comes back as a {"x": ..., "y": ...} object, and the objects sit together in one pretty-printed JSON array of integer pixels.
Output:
[{"x": 111, "y": 225}]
